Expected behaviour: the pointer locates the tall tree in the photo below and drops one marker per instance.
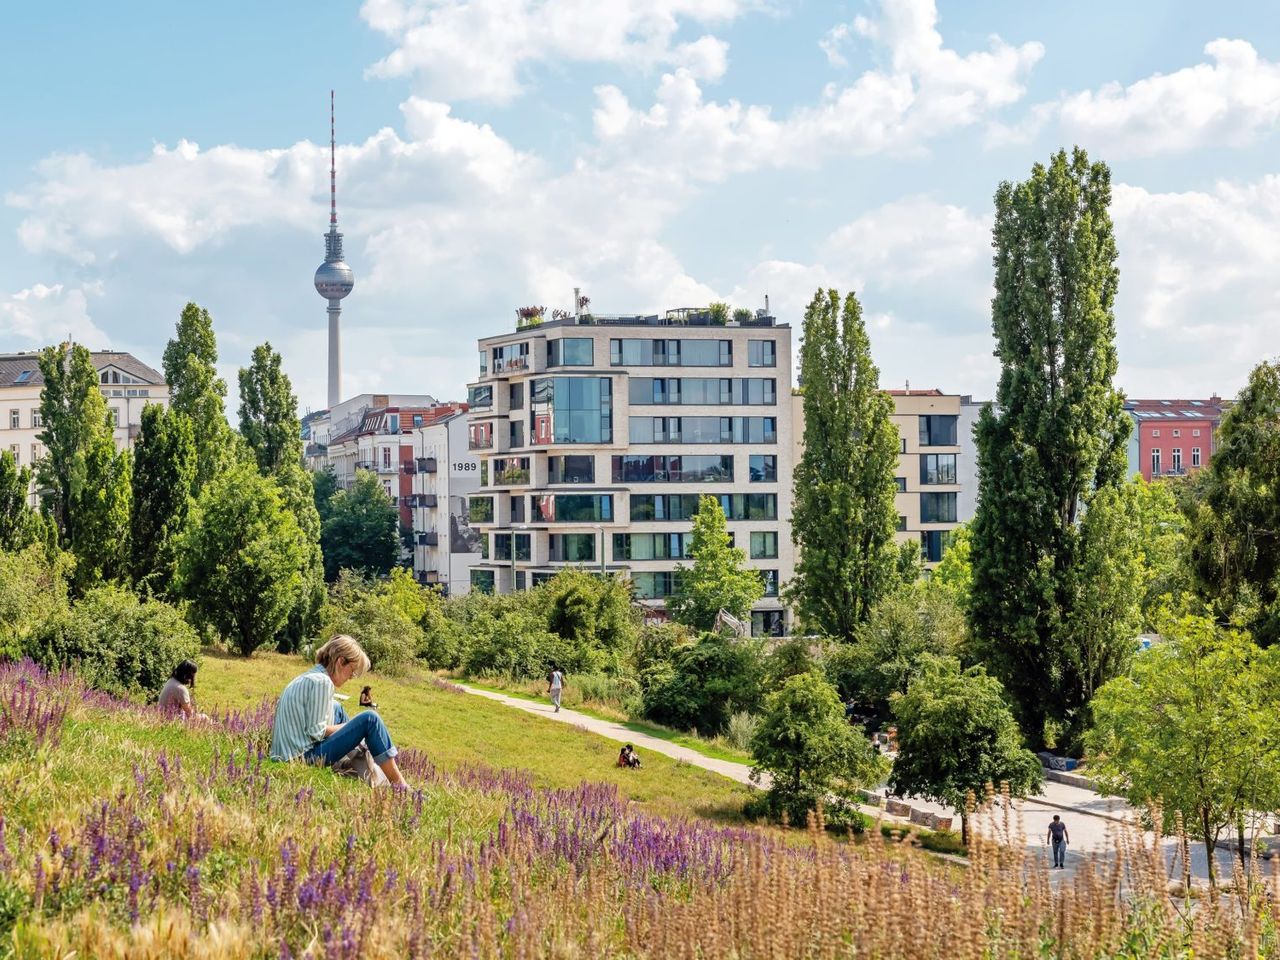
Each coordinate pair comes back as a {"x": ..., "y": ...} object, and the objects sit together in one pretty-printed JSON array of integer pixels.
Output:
[
  {"x": 164, "y": 474},
  {"x": 20, "y": 524},
  {"x": 843, "y": 513},
  {"x": 718, "y": 579},
  {"x": 1055, "y": 437},
  {"x": 361, "y": 532},
  {"x": 84, "y": 481},
  {"x": 197, "y": 392},
  {"x": 269, "y": 412},
  {"x": 1233, "y": 509}
]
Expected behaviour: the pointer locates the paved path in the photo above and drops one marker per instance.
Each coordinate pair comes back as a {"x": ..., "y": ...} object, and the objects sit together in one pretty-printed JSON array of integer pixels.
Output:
[{"x": 1092, "y": 819}]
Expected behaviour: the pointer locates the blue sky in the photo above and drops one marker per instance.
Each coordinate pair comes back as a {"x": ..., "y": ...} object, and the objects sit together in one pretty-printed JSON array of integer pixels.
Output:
[{"x": 658, "y": 153}]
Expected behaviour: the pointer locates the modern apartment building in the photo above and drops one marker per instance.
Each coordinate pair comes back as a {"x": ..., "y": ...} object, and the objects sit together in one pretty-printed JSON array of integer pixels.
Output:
[
  {"x": 444, "y": 472},
  {"x": 126, "y": 382},
  {"x": 928, "y": 477},
  {"x": 597, "y": 435},
  {"x": 967, "y": 465},
  {"x": 1174, "y": 438}
]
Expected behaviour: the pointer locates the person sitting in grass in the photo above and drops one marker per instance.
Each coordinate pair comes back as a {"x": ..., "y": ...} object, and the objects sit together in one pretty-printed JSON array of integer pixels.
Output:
[
  {"x": 366, "y": 699},
  {"x": 627, "y": 757},
  {"x": 303, "y": 724},
  {"x": 176, "y": 693}
]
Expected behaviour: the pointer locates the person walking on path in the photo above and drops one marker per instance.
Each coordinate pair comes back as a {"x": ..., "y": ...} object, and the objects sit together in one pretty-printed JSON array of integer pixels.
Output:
[
  {"x": 1058, "y": 838},
  {"x": 556, "y": 686}
]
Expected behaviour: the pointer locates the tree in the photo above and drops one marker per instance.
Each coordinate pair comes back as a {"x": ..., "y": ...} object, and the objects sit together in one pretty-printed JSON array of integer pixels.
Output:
[
  {"x": 388, "y": 632},
  {"x": 705, "y": 684},
  {"x": 164, "y": 473},
  {"x": 197, "y": 392},
  {"x": 83, "y": 479},
  {"x": 1233, "y": 511},
  {"x": 33, "y": 591},
  {"x": 717, "y": 580},
  {"x": 590, "y": 611},
  {"x": 20, "y": 524},
  {"x": 1055, "y": 438},
  {"x": 956, "y": 735},
  {"x": 324, "y": 485},
  {"x": 361, "y": 532},
  {"x": 1193, "y": 727},
  {"x": 242, "y": 559},
  {"x": 269, "y": 412},
  {"x": 843, "y": 515},
  {"x": 813, "y": 755},
  {"x": 1162, "y": 538},
  {"x": 954, "y": 574}
]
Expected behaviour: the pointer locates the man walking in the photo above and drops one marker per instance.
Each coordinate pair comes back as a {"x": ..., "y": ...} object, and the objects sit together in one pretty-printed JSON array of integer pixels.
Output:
[
  {"x": 1058, "y": 838},
  {"x": 556, "y": 686}
]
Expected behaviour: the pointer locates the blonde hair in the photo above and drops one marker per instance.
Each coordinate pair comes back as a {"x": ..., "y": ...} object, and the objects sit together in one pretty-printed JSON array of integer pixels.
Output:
[{"x": 343, "y": 647}]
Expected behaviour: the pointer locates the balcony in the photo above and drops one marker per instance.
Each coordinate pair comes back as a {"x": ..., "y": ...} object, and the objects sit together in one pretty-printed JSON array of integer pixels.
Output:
[
  {"x": 514, "y": 365},
  {"x": 428, "y": 577},
  {"x": 429, "y": 500},
  {"x": 480, "y": 443},
  {"x": 389, "y": 468},
  {"x": 409, "y": 467},
  {"x": 427, "y": 538},
  {"x": 364, "y": 464},
  {"x": 426, "y": 464}
]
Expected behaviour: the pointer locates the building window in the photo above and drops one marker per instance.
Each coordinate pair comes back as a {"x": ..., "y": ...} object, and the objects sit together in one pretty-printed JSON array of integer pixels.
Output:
[
  {"x": 652, "y": 546},
  {"x": 671, "y": 353},
  {"x": 572, "y": 547},
  {"x": 515, "y": 434},
  {"x": 417, "y": 419},
  {"x": 15, "y": 419},
  {"x": 1195, "y": 433},
  {"x": 1155, "y": 462},
  {"x": 703, "y": 430},
  {"x": 37, "y": 421},
  {"x": 481, "y": 580},
  {"x": 770, "y": 580},
  {"x": 517, "y": 509},
  {"x": 573, "y": 508},
  {"x": 762, "y": 353},
  {"x": 480, "y": 398},
  {"x": 1155, "y": 433},
  {"x": 480, "y": 510},
  {"x": 703, "y": 391},
  {"x": 14, "y": 449},
  {"x": 393, "y": 423},
  {"x": 511, "y": 356},
  {"x": 673, "y": 469},
  {"x": 502, "y": 547},
  {"x": 571, "y": 469},
  {"x": 937, "y": 508},
  {"x": 901, "y": 484},
  {"x": 515, "y": 396},
  {"x": 933, "y": 544},
  {"x": 571, "y": 410},
  {"x": 510, "y": 470},
  {"x": 35, "y": 453},
  {"x": 937, "y": 468},
  {"x": 1195, "y": 456},
  {"x": 764, "y": 544},
  {"x": 1177, "y": 460},
  {"x": 115, "y": 415},
  {"x": 1177, "y": 433},
  {"x": 938, "y": 431},
  {"x": 902, "y": 444},
  {"x": 654, "y": 585},
  {"x": 902, "y": 523},
  {"x": 484, "y": 362},
  {"x": 386, "y": 457},
  {"x": 763, "y": 468},
  {"x": 571, "y": 352},
  {"x": 481, "y": 436},
  {"x": 683, "y": 506},
  {"x": 766, "y": 623}
]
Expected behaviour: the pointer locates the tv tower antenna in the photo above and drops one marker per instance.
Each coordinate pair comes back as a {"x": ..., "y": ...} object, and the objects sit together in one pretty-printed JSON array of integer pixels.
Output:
[{"x": 334, "y": 279}]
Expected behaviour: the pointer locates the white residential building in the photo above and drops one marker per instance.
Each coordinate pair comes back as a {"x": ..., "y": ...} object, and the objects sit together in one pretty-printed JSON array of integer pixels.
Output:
[{"x": 445, "y": 473}]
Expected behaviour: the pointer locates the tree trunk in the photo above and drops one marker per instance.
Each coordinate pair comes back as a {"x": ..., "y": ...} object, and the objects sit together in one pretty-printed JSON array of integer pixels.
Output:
[
  {"x": 1244, "y": 857},
  {"x": 1209, "y": 844},
  {"x": 964, "y": 828}
]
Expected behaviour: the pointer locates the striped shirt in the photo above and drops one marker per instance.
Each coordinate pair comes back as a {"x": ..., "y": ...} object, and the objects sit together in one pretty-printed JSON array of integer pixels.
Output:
[{"x": 304, "y": 711}]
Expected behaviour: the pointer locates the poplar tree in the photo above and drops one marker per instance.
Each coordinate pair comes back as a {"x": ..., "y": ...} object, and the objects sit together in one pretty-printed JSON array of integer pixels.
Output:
[
  {"x": 198, "y": 393},
  {"x": 1052, "y": 443},
  {"x": 20, "y": 524},
  {"x": 83, "y": 480},
  {"x": 843, "y": 512},
  {"x": 164, "y": 473}
]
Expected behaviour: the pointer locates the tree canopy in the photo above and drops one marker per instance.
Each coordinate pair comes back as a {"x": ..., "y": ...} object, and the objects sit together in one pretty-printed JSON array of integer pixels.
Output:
[
  {"x": 197, "y": 392},
  {"x": 361, "y": 533},
  {"x": 164, "y": 474},
  {"x": 718, "y": 579}
]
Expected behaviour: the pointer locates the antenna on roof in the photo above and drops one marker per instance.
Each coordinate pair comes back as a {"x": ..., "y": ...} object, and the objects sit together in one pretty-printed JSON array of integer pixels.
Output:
[
  {"x": 333, "y": 172},
  {"x": 908, "y": 386}
]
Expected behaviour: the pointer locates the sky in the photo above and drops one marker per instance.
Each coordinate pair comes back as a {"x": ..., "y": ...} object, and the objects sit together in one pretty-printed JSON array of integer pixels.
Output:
[{"x": 494, "y": 154}]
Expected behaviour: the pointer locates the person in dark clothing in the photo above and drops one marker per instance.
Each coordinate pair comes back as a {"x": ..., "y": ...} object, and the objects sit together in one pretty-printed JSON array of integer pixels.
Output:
[
  {"x": 366, "y": 699},
  {"x": 1058, "y": 838}
]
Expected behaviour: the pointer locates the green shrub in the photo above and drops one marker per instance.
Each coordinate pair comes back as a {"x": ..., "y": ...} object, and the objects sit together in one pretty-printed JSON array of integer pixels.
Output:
[
  {"x": 376, "y": 617},
  {"x": 705, "y": 684},
  {"x": 118, "y": 642},
  {"x": 514, "y": 644},
  {"x": 33, "y": 592},
  {"x": 740, "y": 729}
]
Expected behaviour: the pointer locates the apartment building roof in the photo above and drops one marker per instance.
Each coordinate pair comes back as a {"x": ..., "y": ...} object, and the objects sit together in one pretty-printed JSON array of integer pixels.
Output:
[
  {"x": 375, "y": 421},
  {"x": 23, "y": 369},
  {"x": 932, "y": 392},
  {"x": 1211, "y": 409},
  {"x": 681, "y": 319}
]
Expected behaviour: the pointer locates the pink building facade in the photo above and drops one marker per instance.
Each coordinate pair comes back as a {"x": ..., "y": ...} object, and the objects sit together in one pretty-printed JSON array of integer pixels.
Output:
[{"x": 1174, "y": 438}]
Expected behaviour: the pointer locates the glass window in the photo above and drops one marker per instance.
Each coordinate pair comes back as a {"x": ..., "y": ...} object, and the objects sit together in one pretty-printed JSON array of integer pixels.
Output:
[
  {"x": 763, "y": 468},
  {"x": 511, "y": 356},
  {"x": 481, "y": 510},
  {"x": 517, "y": 509},
  {"x": 515, "y": 434},
  {"x": 770, "y": 579},
  {"x": 571, "y": 469},
  {"x": 901, "y": 484},
  {"x": 573, "y": 508},
  {"x": 654, "y": 585},
  {"x": 764, "y": 544},
  {"x": 515, "y": 396},
  {"x": 570, "y": 352},
  {"x": 933, "y": 544},
  {"x": 664, "y": 506},
  {"x": 675, "y": 353},
  {"x": 510, "y": 470},
  {"x": 393, "y": 422},
  {"x": 766, "y": 623},
  {"x": 571, "y": 410},
  {"x": 572, "y": 547},
  {"x": 938, "y": 468},
  {"x": 1195, "y": 456},
  {"x": 673, "y": 469},
  {"x": 762, "y": 353},
  {"x": 1155, "y": 462},
  {"x": 15, "y": 419},
  {"x": 938, "y": 431},
  {"x": 1177, "y": 460},
  {"x": 480, "y": 397},
  {"x": 481, "y": 580},
  {"x": 481, "y": 436},
  {"x": 937, "y": 508},
  {"x": 902, "y": 523},
  {"x": 502, "y": 547},
  {"x": 652, "y": 546}
]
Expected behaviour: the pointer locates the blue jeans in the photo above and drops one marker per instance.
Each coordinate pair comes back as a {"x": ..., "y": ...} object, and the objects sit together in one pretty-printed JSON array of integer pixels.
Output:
[
  {"x": 1059, "y": 852},
  {"x": 366, "y": 728}
]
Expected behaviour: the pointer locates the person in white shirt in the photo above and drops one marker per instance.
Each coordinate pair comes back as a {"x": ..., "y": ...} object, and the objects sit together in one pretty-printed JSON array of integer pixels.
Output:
[
  {"x": 556, "y": 686},
  {"x": 175, "y": 696}
]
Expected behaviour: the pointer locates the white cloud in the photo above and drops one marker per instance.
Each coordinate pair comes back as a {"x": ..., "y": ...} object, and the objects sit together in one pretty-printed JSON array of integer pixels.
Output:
[
  {"x": 44, "y": 314},
  {"x": 482, "y": 49},
  {"x": 1232, "y": 99},
  {"x": 832, "y": 42}
]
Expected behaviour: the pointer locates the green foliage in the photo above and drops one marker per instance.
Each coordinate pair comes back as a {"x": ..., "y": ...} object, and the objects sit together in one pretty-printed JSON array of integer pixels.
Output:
[
  {"x": 379, "y": 616},
  {"x": 719, "y": 312},
  {"x": 296, "y": 493},
  {"x": 33, "y": 592},
  {"x": 1233, "y": 511},
  {"x": 361, "y": 532},
  {"x": 1052, "y": 443},
  {"x": 956, "y": 734},
  {"x": 514, "y": 643},
  {"x": 788, "y": 659},
  {"x": 269, "y": 412},
  {"x": 718, "y": 579},
  {"x": 117, "y": 642},
  {"x": 324, "y": 486},
  {"x": 197, "y": 392},
  {"x": 84, "y": 481},
  {"x": 657, "y": 643},
  {"x": 813, "y": 755},
  {"x": 705, "y": 684},
  {"x": 954, "y": 574},
  {"x": 844, "y": 515},
  {"x": 587, "y": 610},
  {"x": 1194, "y": 726},
  {"x": 1165, "y": 550},
  {"x": 242, "y": 559},
  {"x": 164, "y": 474},
  {"x": 20, "y": 524},
  {"x": 742, "y": 314},
  {"x": 905, "y": 627}
]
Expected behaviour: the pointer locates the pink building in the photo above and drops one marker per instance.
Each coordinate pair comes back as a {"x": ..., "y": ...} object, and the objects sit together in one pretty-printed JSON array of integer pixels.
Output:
[{"x": 1173, "y": 438}]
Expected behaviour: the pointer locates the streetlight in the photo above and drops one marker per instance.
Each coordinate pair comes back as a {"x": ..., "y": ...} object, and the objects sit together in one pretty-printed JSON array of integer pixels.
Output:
[
  {"x": 600, "y": 527},
  {"x": 514, "y": 528}
]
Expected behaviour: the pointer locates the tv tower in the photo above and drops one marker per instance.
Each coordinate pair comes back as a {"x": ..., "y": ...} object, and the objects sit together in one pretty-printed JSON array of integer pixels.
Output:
[{"x": 334, "y": 278}]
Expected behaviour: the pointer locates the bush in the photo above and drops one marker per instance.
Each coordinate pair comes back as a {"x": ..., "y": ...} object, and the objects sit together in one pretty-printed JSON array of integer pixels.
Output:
[
  {"x": 117, "y": 642},
  {"x": 741, "y": 728},
  {"x": 33, "y": 592},
  {"x": 376, "y": 617},
  {"x": 705, "y": 684},
  {"x": 514, "y": 644}
]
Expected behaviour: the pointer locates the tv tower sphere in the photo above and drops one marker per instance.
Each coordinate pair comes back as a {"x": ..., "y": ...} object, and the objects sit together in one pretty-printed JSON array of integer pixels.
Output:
[{"x": 334, "y": 279}]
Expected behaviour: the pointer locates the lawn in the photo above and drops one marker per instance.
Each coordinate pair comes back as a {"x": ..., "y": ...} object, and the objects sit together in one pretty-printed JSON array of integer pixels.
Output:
[{"x": 454, "y": 729}]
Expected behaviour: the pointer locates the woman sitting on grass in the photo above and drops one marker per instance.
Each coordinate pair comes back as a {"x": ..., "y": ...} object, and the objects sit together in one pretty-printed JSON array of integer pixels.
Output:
[
  {"x": 303, "y": 724},
  {"x": 176, "y": 694}
]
